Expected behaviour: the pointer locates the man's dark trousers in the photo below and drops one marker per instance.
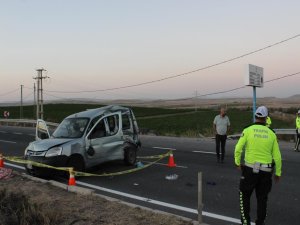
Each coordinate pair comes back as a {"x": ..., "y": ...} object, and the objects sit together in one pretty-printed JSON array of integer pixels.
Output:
[
  {"x": 220, "y": 141},
  {"x": 260, "y": 182},
  {"x": 297, "y": 141}
]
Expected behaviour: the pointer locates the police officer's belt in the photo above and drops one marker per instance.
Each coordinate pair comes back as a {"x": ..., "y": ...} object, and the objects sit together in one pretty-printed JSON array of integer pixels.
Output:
[{"x": 263, "y": 167}]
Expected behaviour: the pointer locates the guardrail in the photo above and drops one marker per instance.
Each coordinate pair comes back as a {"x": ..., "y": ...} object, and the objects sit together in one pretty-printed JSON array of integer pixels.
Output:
[
  {"x": 280, "y": 131},
  {"x": 285, "y": 131},
  {"x": 24, "y": 122}
]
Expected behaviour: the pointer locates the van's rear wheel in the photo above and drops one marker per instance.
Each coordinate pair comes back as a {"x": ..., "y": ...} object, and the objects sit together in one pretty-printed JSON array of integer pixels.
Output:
[
  {"x": 130, "y": 155},
  {"x": 77, "y": 163}
]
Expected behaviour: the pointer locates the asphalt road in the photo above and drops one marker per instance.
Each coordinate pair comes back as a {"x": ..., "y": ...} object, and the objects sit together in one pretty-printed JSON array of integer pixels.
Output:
[{"x": 150, "y": 188}]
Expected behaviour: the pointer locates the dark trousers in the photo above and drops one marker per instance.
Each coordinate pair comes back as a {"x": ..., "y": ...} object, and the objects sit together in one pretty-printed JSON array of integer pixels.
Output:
[
  {"x": 297, "y": 141},
  {"x": 260, "y": 182},
  {"x": 220, "y": 141}
]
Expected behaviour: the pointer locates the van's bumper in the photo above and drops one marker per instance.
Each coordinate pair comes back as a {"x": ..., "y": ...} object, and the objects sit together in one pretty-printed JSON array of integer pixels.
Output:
[{"x": 43, "y": 170}]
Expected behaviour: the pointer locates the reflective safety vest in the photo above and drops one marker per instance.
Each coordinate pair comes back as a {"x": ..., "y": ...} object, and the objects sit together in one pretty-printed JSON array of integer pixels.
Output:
[
  {"x": 261, "y": 146},
  {"x": 298, "y": 122},
  {"x": 268, "y": 122}
]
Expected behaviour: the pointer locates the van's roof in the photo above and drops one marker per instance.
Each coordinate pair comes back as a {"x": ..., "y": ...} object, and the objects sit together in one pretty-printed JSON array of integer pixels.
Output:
[{"x": 91, "y": 113}]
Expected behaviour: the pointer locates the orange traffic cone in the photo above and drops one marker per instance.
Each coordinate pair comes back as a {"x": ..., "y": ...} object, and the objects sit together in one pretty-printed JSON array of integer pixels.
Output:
[
  {"x": 72, "y": 181},
  {"x": 171, "y": 161},
  {"x": 1, "y": 161}
]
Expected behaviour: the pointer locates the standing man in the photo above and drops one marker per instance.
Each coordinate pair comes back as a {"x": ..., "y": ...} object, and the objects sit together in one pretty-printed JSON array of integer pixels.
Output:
[
  {"x": 297, "y": 131},
  {"x": 261, "y": 150},
  {"x": 221, "y": 126}
]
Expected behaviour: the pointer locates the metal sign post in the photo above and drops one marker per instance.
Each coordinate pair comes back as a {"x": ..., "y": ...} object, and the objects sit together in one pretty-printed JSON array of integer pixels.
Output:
[
  {"x": 254, "y": 102},
  {"x": 255, "y": 78},
  {"x": 200, "y": 203}
]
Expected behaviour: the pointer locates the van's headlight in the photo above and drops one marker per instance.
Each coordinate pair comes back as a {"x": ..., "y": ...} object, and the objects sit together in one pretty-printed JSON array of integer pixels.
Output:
[
  {"x": 54, "y": 152},
  {"x": 29, "y": 147}
]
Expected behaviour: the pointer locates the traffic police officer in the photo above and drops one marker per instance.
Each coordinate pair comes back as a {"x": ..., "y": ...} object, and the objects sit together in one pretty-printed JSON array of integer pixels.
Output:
[
  {"x": 261, "y": 153},
  {"x": 297, "y": 131}
]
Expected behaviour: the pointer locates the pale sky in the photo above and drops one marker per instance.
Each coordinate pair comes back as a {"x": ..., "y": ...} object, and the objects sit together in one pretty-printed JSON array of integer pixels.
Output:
[{"x": 100, "y": 44}]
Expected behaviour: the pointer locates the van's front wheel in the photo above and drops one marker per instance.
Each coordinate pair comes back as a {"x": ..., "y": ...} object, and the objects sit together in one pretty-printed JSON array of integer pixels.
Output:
[
  {"x": 130, "y": 155},
  {"x": 77, "y": 163}
]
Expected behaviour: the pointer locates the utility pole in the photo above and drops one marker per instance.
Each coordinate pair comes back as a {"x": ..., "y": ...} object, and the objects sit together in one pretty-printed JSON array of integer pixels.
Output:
[
  {"x": 34, "y": 100},
  {"x": 39, "y": 102},
  {"x": 21, "y": 106},
  {"x": 196, "y": 98}
]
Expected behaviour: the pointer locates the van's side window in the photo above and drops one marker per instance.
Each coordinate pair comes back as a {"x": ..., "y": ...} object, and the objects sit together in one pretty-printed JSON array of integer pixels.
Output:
[
  {"x": 93, "y": 122},
  {"x": 125, "y": 122},
  {"x": 113, "y": 124},
  {"x": 99, "y": 131}
]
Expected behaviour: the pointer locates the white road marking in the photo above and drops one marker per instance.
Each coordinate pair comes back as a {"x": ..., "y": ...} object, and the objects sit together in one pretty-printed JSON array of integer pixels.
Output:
[
  {"x": 165, "y": 204},
  {"x": 155, "y": 202},
  {"x": 17, "y": 133},
  {"x": 163, "y": 164},
  {"x": 213, "y": 153},
  {"x": 12, "y": 142},
  {"x": 13, "y": 165},
  {"x": 173, "y": 149}
]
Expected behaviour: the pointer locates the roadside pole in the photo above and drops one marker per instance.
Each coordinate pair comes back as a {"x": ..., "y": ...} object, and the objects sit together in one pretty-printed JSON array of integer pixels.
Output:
[
  {"x": 200, "y": 204},
  {"x": 254, "y": 103},
  {"x": 21, "y": 105},
  {"x": 39, "y": 95},
  {"x": 254, "y": 77}
]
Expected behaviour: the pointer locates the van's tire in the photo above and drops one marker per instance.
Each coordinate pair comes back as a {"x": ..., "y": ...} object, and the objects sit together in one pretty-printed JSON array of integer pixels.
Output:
[
  {"x": 130, "y": 155},
  {"x": 77, "y": 163}
]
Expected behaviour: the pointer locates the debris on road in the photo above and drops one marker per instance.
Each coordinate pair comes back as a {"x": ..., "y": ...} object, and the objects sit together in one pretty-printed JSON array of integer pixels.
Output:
[{"x": 172, "y": 177}]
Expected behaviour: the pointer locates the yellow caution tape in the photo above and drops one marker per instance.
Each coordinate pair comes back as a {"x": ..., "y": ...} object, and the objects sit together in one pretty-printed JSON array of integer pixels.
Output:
[
  {"x": 33, "y": 163},
  {"x": 77, "y": 173},
  {"x": 116, "y": 173}
]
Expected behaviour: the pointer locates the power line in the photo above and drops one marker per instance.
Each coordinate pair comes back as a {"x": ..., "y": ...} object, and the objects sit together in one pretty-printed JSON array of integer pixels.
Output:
[
  {"x": 202, "y": 95},
  {"x": 66, "y": 99},
  {"x": 28, "y": 88},
  {"x": 57, "y": 97},
  {"x": 222, "y": 92},
  {"x": 237, "y": 88},
  {"x": 182, "y": 74},
  {"x": 10, "y": 92},
  {"x": 279, "y": 78},
  {"x": 27, "y": 96}
]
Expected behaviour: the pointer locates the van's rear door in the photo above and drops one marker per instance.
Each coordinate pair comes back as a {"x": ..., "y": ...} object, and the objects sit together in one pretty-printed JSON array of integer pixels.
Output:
[{"x": 41, "y": 131}]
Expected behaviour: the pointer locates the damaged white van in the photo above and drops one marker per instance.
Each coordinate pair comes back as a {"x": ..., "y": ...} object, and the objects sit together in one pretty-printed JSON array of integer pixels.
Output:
[{"x": 85, "y": 139}]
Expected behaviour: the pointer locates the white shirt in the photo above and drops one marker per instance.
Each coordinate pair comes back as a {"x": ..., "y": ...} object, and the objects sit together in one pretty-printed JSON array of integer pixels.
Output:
[{"x": 222, "y": 124}]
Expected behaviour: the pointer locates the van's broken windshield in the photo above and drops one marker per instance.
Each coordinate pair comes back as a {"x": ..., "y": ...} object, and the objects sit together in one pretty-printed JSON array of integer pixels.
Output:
[{"x": 71, "y": 128}]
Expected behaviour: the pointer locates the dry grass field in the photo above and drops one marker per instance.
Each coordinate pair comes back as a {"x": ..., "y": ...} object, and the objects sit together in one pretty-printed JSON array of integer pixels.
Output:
[{"x": 27, "y": 202}]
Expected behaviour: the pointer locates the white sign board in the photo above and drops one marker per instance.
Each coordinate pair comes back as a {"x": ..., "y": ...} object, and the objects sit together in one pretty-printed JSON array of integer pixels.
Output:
[
  {"x": 254, "y": 76},
  {"x": 6, "y": 114}
]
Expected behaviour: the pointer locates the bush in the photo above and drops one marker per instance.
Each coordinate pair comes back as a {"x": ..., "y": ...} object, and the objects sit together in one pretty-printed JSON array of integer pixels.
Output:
[{"x": 16, "y": 209}]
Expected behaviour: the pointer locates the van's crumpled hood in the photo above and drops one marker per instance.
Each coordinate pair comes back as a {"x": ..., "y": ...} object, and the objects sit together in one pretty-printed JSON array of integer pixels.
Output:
[{"x": 46, "y": 144}]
